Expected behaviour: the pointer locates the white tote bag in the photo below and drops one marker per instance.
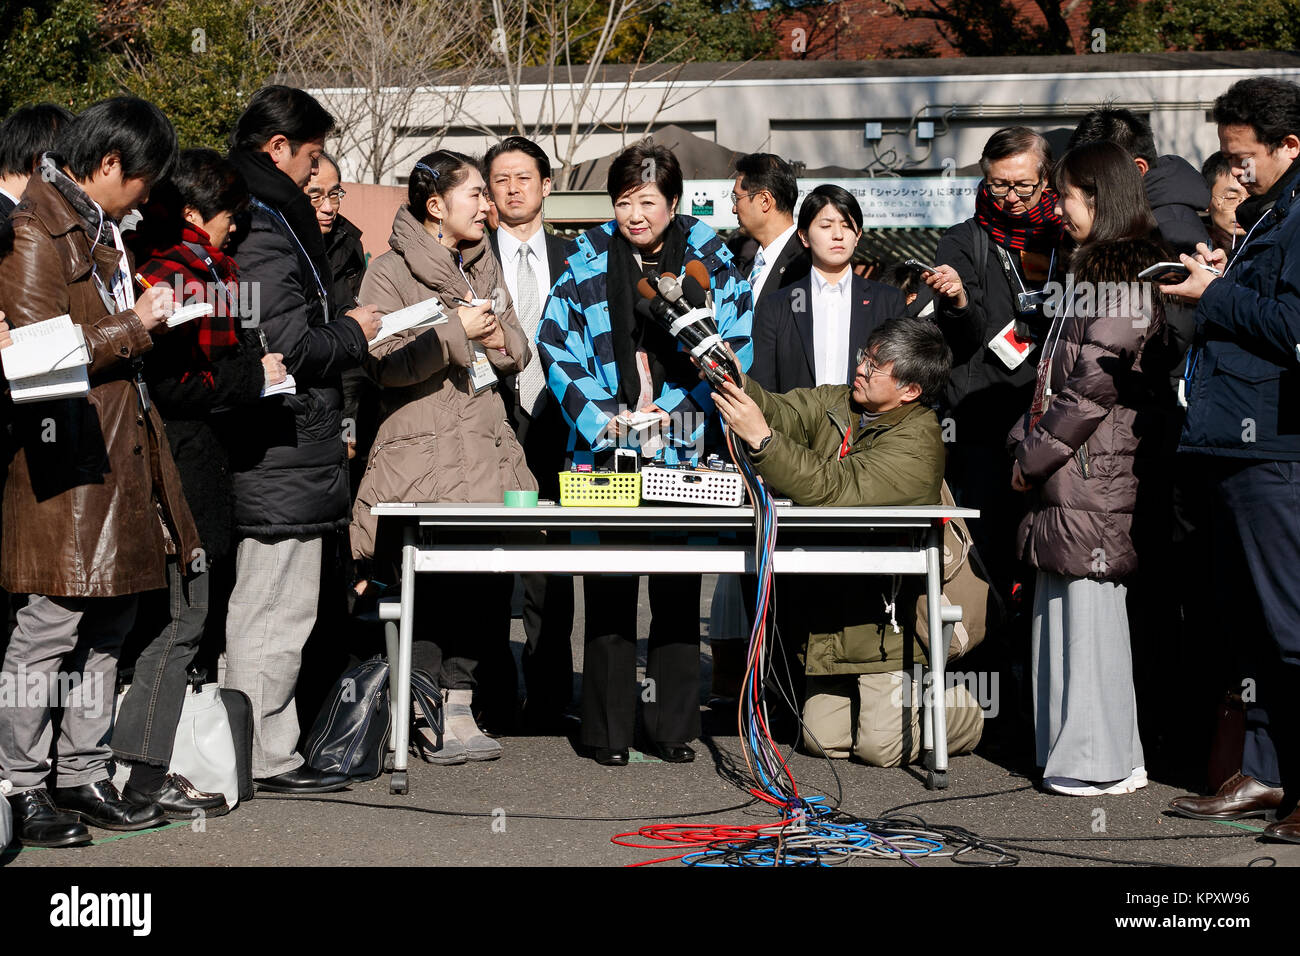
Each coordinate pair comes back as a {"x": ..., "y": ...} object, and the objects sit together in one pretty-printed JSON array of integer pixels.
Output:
[{"x": 204, "y": 752}]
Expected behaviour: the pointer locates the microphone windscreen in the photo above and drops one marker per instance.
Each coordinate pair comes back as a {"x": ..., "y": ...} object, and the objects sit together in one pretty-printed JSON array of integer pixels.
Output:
[
  {"x": 693, "y": 292},
  {"x": 646, "y": 289},
  {"x": 699, "y": 272}
]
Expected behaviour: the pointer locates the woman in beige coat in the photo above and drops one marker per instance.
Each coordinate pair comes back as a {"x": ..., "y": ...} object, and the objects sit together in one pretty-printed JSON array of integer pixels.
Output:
[{"x": 444, "y": 434}]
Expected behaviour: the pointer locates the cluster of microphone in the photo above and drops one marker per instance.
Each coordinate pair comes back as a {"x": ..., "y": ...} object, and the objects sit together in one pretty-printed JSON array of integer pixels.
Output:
[{"x": 684, "y": 308}]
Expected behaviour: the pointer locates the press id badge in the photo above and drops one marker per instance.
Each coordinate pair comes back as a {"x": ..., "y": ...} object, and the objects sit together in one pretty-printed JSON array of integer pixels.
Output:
[
  {"x": 1011, "y": 348},
  {"x": 482, "y": 375}
]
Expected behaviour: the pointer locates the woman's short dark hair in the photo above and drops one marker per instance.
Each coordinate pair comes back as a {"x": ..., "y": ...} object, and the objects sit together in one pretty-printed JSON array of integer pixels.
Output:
[
  {"x": 201, "y": 178},
  {"x": 281, "y": 111},
  {"x": 1105, "y": 174},
  {"x": 26, "y": 134},
  {"x": 1012, "y": 141},
  {"x": 837, "y": 197},
  {"x": 918, "y": 350},
  {"x": 642, "y": 163},
  {"x": 436, "y": 173},
  {"x": 1269, "y": 106},
  {"x": 136, "y": 130},
  {"x": 767, "y": 171},
  {"x": 519, "y": 144}
]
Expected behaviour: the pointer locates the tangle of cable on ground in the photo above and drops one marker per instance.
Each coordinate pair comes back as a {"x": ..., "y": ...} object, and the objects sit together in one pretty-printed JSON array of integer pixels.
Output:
[{"x": 810, "y": 830}]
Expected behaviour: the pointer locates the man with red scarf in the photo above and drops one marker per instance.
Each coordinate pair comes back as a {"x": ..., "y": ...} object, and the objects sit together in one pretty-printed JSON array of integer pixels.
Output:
[
  {"x": 989, "y": 268},
  {"x": 196, "y": 373}
]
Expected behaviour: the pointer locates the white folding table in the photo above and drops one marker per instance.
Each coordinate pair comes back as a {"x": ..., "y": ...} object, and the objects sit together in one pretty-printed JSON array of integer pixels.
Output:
[{"x": 848, "y": 541}]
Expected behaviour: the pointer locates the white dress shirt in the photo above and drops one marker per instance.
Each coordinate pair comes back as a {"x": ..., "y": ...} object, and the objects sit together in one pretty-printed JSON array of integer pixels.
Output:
[
  {"x": 510, "y": 246},
  {"x": 832, "y": 312},
  {"x": 771, "y": 253}
]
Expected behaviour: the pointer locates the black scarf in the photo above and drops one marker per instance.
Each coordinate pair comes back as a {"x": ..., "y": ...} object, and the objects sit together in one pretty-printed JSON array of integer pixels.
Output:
[
  {"x": 1253, "y": 208},
  {"x": 627, "y": 329},
  {"x": 267, "y": 183}
]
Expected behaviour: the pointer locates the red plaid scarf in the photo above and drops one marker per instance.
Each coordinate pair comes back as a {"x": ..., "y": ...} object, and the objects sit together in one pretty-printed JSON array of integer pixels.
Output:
[
  {"x": 192, "y": 281},
  {"x": 1039, "y": 230}
]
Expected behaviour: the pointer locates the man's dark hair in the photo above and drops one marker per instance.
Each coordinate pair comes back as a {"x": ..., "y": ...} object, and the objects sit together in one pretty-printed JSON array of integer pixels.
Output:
[
  {"x": 1269, "y": 106},
  {"x": 918, "y": 350},
  {"x": 26, "y": 134},
  {"x": 1105, "y": 174},
  {"x": 519, "y": 144},
  {"x": 436, "y": 173},
  {"x": 1217, "y": 165},
  {"x": 830, "y": 195},
  {"x": 281, "y": 111},
  {"x": 1124, "y": 128},
  {"x": 134, "y": 129},
  {"x": 642, "y": 163},
  {"x": 1012, "y": 141},
  {"x": 768, "y": 172}
]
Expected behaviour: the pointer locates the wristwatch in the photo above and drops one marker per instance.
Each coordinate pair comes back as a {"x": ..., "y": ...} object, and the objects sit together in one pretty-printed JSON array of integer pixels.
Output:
[{"x": 763, "y": 443}]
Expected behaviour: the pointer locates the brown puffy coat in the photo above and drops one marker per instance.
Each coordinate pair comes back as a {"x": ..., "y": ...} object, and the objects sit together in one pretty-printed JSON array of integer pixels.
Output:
[
  {"x": 1107, "y": 415},
  {"x": 438, "y": 441},
  {"x": 79, "y": 512}
]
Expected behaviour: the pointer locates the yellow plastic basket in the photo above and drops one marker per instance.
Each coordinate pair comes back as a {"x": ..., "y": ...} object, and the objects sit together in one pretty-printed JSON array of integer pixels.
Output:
[{"x": 588, "y": 490}]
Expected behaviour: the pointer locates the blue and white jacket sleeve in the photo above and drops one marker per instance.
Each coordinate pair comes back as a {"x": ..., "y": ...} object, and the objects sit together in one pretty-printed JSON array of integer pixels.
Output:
[
  {"x": 565, "y": 349},
  {"x": 733, "y": 313}
]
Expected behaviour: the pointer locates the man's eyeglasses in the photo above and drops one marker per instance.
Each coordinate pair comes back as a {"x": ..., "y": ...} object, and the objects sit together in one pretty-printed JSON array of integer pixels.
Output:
[
  {"x": 737, "y": 197},
  {"x": 862, "y": 357},
  {"x": 335, "y": 196},
  {"x": 1023, "y": 190}
]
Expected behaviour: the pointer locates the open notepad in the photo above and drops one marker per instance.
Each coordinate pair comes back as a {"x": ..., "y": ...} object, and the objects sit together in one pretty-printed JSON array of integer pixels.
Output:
[
  {"x": 287, "y": 387},
  {"x": 421, "y": 315},
  {"x": 47, "y": 360}
]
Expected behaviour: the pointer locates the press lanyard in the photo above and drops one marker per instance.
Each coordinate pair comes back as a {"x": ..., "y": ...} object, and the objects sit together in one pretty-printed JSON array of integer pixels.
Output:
[
  {"x": 320, "y": 286},
  {"x": 844, "y": 445},
  {"x": 211, "y": 266}
]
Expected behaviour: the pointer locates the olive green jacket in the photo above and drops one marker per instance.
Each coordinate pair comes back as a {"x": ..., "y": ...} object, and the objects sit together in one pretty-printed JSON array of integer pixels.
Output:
[{"x": 898, "y": 459}]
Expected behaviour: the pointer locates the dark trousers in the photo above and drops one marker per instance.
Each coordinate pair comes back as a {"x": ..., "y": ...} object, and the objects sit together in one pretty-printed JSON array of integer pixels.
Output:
[
  {"x": 548, "y": 652},
  {"x": 1262, "y": 500},
  {"x": 458, "y": 619},
  {"x": 671, "y": 693},
  {"x": 170, "y": 625}
]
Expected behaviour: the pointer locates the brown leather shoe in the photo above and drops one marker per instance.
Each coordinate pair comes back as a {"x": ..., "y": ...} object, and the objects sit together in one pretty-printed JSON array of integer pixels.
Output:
[
  {"x": 1238, "y": 798},
  {"x": 1286, "y": 829}
]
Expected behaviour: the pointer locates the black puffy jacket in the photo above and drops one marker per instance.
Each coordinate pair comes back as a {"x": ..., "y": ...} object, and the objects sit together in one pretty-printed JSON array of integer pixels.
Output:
[
  {"x": 1177, "y": 194},
  {"x": 288, "y": 456}
]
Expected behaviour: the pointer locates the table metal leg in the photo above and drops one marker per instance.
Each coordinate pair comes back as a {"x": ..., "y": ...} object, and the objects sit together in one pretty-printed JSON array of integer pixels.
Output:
[
  {"x": 936, "y": 717},
  {"x": 399, "y": 673}
]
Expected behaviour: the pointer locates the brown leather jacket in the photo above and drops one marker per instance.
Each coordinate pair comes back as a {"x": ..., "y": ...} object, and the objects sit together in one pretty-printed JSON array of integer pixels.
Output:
[{"x": 91, "y": 482}]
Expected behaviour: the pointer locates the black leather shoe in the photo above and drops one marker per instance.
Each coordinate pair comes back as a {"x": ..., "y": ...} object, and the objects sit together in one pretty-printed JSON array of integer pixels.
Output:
[
  {"x": 609, "y": 758},
  {"x": 40, "y": 824},
  {"x": 100, "y": 804},
  {"x": 179, "y": 799},
  {"x": 673, "y": 753},
  {"x": 303, "y": 779}
]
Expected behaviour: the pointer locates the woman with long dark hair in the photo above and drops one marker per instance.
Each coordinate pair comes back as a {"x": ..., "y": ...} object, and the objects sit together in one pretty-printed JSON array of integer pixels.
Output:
[
  {"x": 1095, "y": 423},
  {"x": 443, "y": 435}
]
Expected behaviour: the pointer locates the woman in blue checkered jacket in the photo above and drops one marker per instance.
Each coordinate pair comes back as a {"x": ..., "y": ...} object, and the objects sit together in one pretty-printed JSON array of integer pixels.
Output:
[{"x": 604, "y": 362}]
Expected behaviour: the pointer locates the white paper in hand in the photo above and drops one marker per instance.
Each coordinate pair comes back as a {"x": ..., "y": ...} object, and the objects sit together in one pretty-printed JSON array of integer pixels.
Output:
[
  {"x": 47, "y": 360},
  {"x": 287, "y": 387},
  {"x": 188, "y": 313},
  {"x": 417, "y": 316}
]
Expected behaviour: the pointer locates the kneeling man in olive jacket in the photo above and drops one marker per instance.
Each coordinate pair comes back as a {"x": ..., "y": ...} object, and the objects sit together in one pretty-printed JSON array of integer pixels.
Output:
[{"x": 876, "y": 443}]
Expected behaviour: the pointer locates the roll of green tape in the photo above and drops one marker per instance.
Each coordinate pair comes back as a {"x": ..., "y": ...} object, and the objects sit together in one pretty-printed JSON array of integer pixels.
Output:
[{"x": 521, "y": 499}]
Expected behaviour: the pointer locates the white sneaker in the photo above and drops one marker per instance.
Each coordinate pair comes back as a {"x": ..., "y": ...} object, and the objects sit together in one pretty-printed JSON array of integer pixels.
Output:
[
  {"x": 1071, "y": 787},
  {"x": 1133, "y": 782}
]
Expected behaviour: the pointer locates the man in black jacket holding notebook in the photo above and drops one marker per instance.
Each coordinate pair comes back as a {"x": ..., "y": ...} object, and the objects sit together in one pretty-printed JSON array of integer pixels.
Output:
[{"x": 288, "y": 458}]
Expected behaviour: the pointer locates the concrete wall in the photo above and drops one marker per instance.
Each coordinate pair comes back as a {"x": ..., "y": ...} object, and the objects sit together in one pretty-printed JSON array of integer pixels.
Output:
[{"x": 820, "y": 120}]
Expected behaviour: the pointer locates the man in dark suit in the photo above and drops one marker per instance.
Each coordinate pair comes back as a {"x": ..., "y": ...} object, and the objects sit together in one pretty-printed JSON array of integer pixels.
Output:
[
  {"x": 763, "y": 199},
  {"x": 519, "y": 178}
]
